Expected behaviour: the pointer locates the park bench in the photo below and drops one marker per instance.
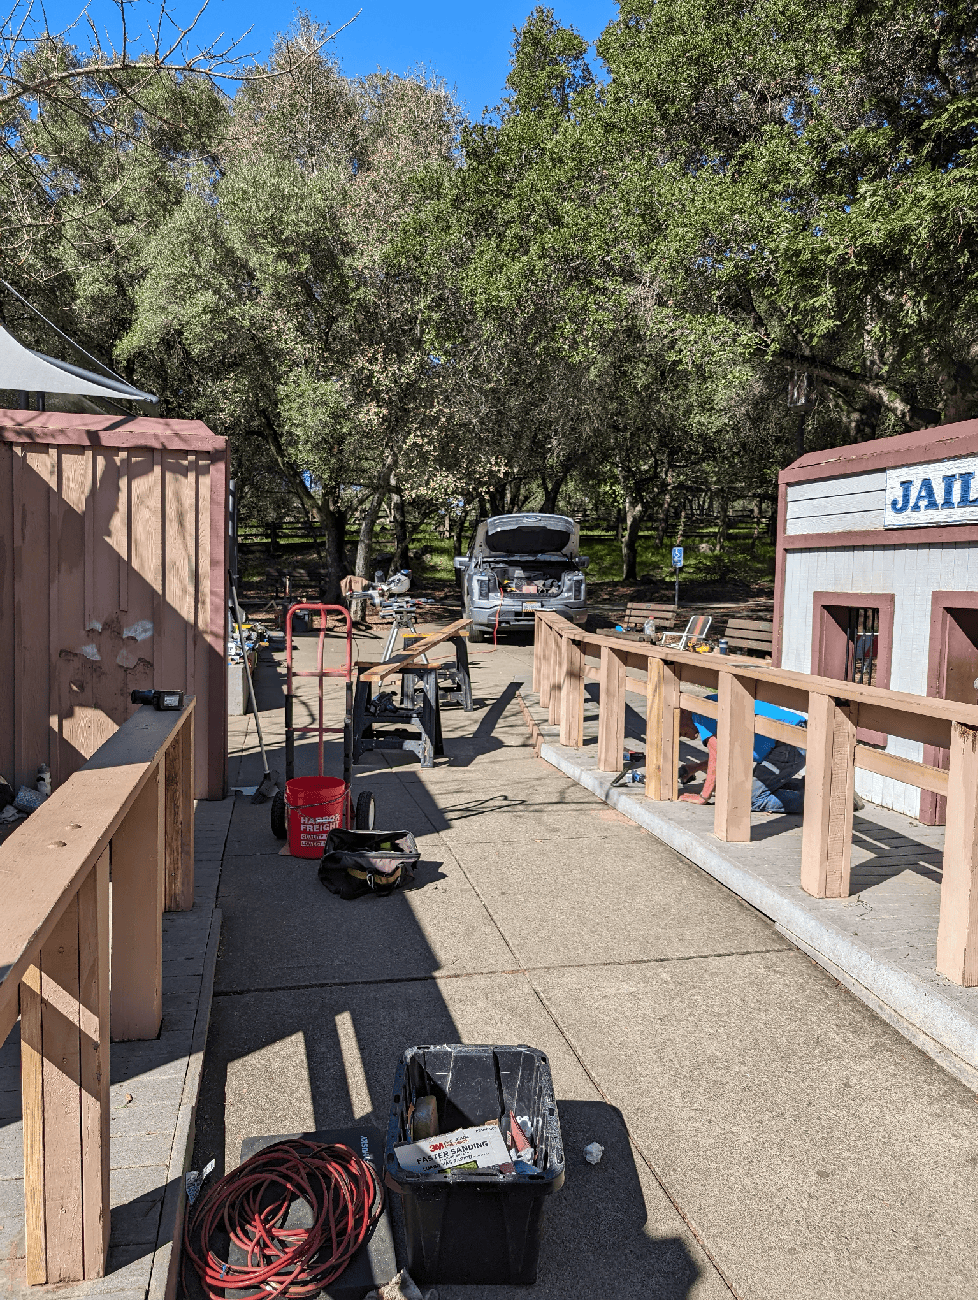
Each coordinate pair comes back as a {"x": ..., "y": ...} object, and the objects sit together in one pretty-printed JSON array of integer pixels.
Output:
[
  {"x": 750, "y": 635},
  {"x": 636, "y": 615}
]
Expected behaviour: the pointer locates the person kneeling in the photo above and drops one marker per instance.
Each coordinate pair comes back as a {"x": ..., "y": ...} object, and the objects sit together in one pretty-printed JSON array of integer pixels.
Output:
[{"x": 776, "y": 787}]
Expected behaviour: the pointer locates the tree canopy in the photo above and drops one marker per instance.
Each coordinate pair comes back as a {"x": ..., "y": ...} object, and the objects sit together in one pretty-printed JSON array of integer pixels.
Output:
[{"x": 660, "y": 268}]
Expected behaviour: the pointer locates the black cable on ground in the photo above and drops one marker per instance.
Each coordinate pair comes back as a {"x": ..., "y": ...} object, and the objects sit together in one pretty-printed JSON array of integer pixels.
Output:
[{"x": 250, "y": 1205}]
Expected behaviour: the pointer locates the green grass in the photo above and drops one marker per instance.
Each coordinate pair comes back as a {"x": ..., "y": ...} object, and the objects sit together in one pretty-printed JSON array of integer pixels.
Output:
[{"x": 601, "y": 547}]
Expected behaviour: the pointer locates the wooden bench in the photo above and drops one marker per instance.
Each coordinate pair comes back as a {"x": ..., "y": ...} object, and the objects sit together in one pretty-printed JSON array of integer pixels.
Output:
[
  {"x": 750, "y": 635},
  {"x": 636, "y": 615}
]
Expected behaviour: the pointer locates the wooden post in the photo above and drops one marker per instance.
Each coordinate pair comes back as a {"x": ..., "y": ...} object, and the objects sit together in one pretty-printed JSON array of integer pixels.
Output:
[
  {"x": 830, "y": 769},
  {"x": 611, "y": 715},
  {"x": 957, "y": 931},
  {"x": 537, "y": 642},
  {"x": 735, "y": 759},
  {"x": 555, "y": 676},
  {"x": 65, "y": 1083},
  {"x": 661, "y": 731},
  {"x": 137, "y": 906},
  {"x": 571, "y": 693},
  {"x": 543, "y": 676},
  {"x": 179, "y": 828}
]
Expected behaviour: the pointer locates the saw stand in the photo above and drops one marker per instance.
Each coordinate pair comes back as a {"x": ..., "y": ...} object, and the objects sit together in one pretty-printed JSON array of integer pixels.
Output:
[{"x": 402, "y": 614}]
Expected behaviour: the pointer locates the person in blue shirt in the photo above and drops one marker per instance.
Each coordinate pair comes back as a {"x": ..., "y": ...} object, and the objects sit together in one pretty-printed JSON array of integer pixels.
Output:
[{"x": 776, "y": 788}]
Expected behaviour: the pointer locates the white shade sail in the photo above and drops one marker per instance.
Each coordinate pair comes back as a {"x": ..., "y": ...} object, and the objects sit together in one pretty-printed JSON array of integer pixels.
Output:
[{"x": 28, "y": 371}]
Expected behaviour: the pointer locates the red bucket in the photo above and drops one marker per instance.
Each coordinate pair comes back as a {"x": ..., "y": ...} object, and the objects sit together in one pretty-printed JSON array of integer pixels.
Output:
[{"x": 313, "y": 807}]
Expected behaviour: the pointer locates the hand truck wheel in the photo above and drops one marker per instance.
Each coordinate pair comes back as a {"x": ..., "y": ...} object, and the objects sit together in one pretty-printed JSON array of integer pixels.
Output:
[
  {"x": 366, "y": 813},
  {"x": 279, "y": 828}
]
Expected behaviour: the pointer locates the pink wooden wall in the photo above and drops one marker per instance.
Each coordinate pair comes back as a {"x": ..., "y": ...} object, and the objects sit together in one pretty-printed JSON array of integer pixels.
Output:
[{"x": 112, "y": 576}]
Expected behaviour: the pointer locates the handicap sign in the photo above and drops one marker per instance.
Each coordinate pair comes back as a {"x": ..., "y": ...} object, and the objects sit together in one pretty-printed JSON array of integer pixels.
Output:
[{"x": 677, "y": 557}]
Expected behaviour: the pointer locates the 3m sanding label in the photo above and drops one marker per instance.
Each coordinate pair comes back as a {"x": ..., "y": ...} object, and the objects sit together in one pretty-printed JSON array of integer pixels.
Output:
[{"x": 483, "y": 1146}]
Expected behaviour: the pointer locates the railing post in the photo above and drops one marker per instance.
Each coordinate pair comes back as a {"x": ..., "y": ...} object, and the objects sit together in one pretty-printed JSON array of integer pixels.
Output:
[
  {"x": 137, "y": 907},
  {"x": 830, "y": 769},
  {"x": 537, "y": 645},
  {"x": 957, "y": 931},
  {"x": 65, "y": 1083},
  {"x": 179, "y": 830},
  {"x": 735, "y": 759},
  {"x": 555, "y": 676},
  {"x": 571, "y": 693},
  {"x": 611, "y": 715},
  {"x": 543, "y": 674},
  {"x": 661, "y": 731}
]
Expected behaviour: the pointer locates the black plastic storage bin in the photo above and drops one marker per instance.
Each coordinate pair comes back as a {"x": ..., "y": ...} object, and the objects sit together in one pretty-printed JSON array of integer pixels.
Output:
[{"x": 475, "y": 1226}]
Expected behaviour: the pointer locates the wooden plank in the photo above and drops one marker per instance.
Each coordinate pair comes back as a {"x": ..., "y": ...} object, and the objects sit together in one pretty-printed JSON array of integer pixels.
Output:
[
  {"x": 173, "y": 824},
  {"x": 553, "y": 708},
  {"x": 957, "y": 931},
  {"x": 572, "y": 693},
  {"x": 661, "y": 719},
  {"x": 901, "y": 769},
  {"x": 636, "y": 685},
  {"x": 750, "y": 624},
  {"x": 735, "y": 759},
  {"x": 72, "y": 641},
  {"x": 611, "y": 715},
  {"x": 32, "y": 1103},
  {"x": 137, "y": 910},
  {"x": 592, "y": 672},
  {"x": 915, "y": 725},
  {"x": 145, "y": 546},
  {"x": 210, "y": 646},
  {"x": 700, "y": 673},
  {"x": 829, "y": 782},
  {"x": 32, "y": 583},
  {"x": 417, "y": 650},
  {"x": 7, "y": 634},
  {"x": 179, "y": 570},
  {"x": 546, "y": 662},
  {"x": 93, "y": 962},
  {"x": 61, "y": 1051}
]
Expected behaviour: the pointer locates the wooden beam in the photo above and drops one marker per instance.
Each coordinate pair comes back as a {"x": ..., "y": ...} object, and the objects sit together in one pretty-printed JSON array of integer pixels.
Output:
[
  {"x": 957, "y": 931},
  {"x": 179, "y": 813},
  {"x": 735, "y": 759},
  {"x": 553, "y": 715},
  {"x": 544, "y": 678},
  {"x": 137, "y": 909},
  {"x": 417, "y": 650},
  {"x": 661, "y": 721},
  {"x": 826, "y": 845},
  {"x": 571, "y": 693},
  {"x": 901, "y": 769},
  {"x": 93, "y": 964},
  {"x": 32, "y": 1104},
  {"x": 611, "y": 715}
]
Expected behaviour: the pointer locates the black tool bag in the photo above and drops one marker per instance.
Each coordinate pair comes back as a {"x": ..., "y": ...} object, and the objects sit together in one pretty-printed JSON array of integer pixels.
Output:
[{"x": 355, "y": 863}]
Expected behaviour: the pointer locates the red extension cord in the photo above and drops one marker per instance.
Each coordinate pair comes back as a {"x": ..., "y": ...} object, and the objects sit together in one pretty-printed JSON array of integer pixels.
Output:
[{"x": 251, "y": 1205}]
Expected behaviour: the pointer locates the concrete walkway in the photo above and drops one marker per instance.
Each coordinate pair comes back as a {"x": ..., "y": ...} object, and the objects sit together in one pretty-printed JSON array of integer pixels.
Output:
[{"x": 766, "y": 1134}]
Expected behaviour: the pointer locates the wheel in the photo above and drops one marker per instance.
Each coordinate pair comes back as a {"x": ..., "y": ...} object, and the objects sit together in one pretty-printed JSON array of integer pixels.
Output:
[
  {"x": 476, "y": 634},
  {"x": 366, "y": 811},
  {"x": 279, "y": 828}
]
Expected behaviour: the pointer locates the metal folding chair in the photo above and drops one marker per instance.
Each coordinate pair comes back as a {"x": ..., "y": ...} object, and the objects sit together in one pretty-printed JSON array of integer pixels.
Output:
[{"x": 696, "y": 630}]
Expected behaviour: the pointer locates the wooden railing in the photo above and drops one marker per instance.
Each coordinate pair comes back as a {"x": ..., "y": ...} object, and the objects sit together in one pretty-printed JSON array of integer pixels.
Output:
[
  {"x": 127, "y": 817},
  {"x": 836, "y": 710}
]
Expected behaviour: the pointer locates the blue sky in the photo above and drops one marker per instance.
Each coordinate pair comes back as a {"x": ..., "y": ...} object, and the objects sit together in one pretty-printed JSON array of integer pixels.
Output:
[{"x": 467, "y": 45}]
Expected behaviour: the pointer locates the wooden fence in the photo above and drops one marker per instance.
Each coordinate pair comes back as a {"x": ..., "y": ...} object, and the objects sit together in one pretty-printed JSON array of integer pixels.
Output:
[
  {"x": 112, "y": 577},
  {"x": 128, "y": 815},
  {"x": 836, "y": 711}
]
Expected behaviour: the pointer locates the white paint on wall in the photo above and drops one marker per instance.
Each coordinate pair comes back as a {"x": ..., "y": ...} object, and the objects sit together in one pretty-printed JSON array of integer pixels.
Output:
[
  {"x": 912, "y": 573},
  {"x": 835, "y": 505}
]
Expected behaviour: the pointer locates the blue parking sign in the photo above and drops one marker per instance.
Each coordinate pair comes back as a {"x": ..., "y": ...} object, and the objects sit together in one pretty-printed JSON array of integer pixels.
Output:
[{"x": 677, "y": 557}]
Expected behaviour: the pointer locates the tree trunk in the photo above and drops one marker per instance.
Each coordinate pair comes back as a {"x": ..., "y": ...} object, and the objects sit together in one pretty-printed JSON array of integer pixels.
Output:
[
  {"x": 663, "y": 524},
  {"x": 401, "y": 537},
  {"x": 634, "y": 511},
  {"x": 755, "y": 534},
  {"x": 366, "y": 539},
  {"x": 551, "y": 492}
]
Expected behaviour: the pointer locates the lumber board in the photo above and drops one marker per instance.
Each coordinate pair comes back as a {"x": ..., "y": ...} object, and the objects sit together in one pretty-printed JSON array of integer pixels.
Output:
[
  {"x": 611, "y": 717},
  {"x": 572, "y": 693},
  {"x": 32, "y": 1102},
  {"x": 591, "y": 672},
  {"x": 750, "y": 625},
  {"x": 957, "y": 930},
  {"x": 735, "y": 759},
  {"x": 661, "y": 731},
  {"x": 61, "y": 1067},
  {"x": 419, "y": 648},
  {"x": 93, "y": 966},
  {"x": 137, "y": 914},
  {"x": 826, "y": 846},
  {"x": 43, "y": 864}
]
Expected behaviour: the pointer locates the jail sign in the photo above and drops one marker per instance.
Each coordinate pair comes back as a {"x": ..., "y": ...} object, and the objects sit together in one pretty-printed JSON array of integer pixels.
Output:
[{"x": 944, "y": 492}]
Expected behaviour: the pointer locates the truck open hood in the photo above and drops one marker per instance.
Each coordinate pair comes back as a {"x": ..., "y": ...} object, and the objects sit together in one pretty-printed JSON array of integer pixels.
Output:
[{"x": 529, "y": 534}]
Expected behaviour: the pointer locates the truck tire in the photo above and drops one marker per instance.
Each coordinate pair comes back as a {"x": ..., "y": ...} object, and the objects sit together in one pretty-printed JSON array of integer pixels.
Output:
[{"x": 476, "y": 635}]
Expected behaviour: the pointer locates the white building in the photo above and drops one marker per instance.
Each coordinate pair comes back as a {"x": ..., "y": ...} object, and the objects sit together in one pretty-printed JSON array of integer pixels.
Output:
[{"x": 877, "y": 578}]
